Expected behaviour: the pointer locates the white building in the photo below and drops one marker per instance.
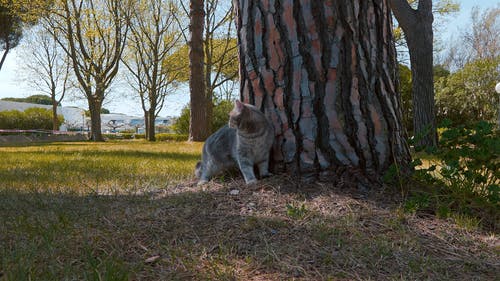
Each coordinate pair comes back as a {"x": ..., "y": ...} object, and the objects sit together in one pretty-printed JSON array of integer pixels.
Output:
[
  {"x": 75, "y": 119},
  {"x": 118, "y": 122}
]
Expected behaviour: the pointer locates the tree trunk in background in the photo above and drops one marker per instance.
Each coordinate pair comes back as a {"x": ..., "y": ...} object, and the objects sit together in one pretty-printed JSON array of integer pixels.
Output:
[
  {"x": 146, "y": 124},
  {"x": 151, "y": 125},
  {"x": 55, "y": 121},
  {"x": 4, "y": 55},
  {"x": 417, "y": 27},
  {"x": 95, "y": 119},
  {"x": 324, "y": 72},
  {"x": 199, "y": 128},
  {"x": 424, "y": 112}
]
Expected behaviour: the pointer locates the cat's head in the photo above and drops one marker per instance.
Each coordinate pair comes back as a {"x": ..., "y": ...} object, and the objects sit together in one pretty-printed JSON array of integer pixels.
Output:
[
  {"x": 244, "y": 117},
  {"x": 236, "y": 115}
]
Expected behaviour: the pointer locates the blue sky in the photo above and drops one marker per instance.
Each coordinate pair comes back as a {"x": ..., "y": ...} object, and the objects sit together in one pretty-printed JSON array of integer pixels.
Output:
[{"x": 10, "y": 86}]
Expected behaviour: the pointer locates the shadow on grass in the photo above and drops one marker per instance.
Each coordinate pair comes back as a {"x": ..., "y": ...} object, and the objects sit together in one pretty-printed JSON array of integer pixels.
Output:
[{"x": 259, "y": 234}]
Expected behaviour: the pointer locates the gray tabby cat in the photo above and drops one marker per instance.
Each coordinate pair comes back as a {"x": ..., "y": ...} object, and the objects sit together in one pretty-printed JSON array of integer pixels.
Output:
[{"x": 244, "y": 143}]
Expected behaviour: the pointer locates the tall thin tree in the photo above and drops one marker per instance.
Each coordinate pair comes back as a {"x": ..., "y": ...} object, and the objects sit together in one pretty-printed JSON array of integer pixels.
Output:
[
  {"x": 46, "y": 68},
  {"x": 93, "y": 34},
  {"x": 199, "y": 128},
  {"x": 154, "y": 36}
]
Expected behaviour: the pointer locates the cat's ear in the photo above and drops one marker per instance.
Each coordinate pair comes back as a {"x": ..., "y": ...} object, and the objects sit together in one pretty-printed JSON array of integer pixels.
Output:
[{"x": 238, "y": 105}]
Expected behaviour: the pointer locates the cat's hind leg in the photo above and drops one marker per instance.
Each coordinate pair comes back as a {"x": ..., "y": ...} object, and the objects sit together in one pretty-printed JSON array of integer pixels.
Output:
[
  {"x": 264, "y": 169},
  {"x": 205, "y": 177},
  {"x": 210, "y": 169}
]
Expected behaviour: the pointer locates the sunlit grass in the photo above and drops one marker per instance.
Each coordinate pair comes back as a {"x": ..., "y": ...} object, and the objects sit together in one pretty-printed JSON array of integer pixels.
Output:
[{"x": 97, "y": 167}]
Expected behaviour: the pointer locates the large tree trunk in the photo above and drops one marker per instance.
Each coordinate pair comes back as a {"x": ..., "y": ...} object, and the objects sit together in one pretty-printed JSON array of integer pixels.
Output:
[
  {"x": 199, "y": 121},
  {"x": 417, "y": 27},
  {"x": 324, "y": 72},
  {"x": 95, "y": 119}
]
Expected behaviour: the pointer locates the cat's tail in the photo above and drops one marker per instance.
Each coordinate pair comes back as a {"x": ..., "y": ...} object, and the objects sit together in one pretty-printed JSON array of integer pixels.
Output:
[{"x": 197, "y": 169}]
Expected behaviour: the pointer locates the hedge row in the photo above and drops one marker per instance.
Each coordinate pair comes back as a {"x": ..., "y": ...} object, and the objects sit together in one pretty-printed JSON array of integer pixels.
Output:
[
  {"x": 159, "y": 137},
  {"x": 30, "y": 119}
]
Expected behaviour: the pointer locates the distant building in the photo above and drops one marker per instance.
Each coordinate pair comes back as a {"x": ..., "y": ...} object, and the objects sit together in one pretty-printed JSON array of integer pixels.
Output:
[
  {"x": 75, "y": 119},
  {"x": 118, "y": 122},
  {"x": 21, "y": 106}
]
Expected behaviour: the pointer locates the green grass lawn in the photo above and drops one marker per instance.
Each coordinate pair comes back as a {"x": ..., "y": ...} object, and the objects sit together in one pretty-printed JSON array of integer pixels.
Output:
[
  {"x": 97, "y": 167},
  {"x": 132, "y": 211}
]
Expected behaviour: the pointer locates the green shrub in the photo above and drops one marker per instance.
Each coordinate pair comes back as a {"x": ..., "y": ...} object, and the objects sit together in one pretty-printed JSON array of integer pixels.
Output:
[
  {"x": 119, "y": 136},
  {"x": 471, "y": 159},
  {"x": 112, "y": 136},
  {"x": 127, "y": 136},
  {"x": 465, "y": 177},
  {"x": 171, "y": 137},
  {"x": 30, "y": 119}
]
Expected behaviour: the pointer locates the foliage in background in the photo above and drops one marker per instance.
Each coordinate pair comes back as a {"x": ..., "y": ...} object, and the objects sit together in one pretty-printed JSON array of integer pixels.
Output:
[
  {"x": 468, "y": 95},
  {"x": 180, "y": 59},
  {"x": 31, "y": 118},
  {"x": 11, "y": 31},
  {"x": 37, "y": 99},
  {"x": 220, "y": 117},
  {"x": 13, "y": 15},
  {"x": 405, "y": 91}
]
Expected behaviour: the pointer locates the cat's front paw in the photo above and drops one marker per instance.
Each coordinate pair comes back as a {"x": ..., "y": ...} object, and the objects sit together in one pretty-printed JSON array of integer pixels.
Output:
[
  {"x": 266, "y": 175},
  {"x": 253, "y": 181},
  {"x": 201, "y": 182}
]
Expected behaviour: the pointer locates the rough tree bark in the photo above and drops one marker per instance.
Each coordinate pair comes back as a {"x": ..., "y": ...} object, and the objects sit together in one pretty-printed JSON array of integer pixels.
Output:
[
  {"x": 199, "y": 128},
  {"x": 324, "y": 72},
  {"x": 417, "y": 27}
]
